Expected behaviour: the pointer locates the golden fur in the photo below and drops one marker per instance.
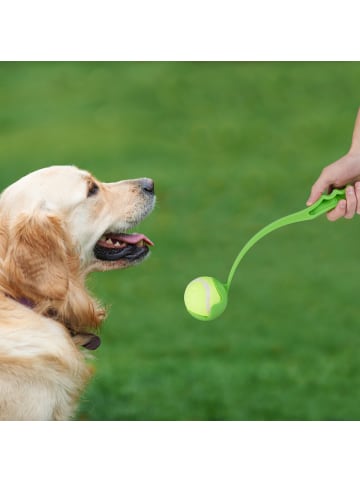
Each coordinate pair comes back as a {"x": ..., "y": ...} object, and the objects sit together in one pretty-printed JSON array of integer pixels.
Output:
[{"x": 49, "y": 225}]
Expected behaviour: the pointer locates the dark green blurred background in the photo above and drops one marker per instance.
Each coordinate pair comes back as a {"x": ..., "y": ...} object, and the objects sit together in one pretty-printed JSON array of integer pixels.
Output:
[{"x": 231, "y": 146}]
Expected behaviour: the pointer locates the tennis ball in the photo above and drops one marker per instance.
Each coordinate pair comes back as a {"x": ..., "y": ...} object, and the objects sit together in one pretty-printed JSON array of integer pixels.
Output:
[{"x": 205, "y": 298}]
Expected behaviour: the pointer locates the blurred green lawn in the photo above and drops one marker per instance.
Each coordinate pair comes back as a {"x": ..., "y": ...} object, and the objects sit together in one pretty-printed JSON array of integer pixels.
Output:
[{"x": 231, "y": 146}]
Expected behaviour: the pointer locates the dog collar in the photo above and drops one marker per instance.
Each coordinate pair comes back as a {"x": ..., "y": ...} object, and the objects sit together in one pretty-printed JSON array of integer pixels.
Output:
[
  {"x": 86, "y": 340},
  {"x": 24, "y": 301}
]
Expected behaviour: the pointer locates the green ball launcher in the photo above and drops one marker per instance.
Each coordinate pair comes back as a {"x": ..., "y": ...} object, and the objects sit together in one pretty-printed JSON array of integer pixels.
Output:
[{"x": 206, "y": 297}]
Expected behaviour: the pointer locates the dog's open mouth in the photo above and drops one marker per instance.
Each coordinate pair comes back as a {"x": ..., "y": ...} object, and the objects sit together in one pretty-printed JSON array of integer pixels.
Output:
[{"x": 116, "y": 246}]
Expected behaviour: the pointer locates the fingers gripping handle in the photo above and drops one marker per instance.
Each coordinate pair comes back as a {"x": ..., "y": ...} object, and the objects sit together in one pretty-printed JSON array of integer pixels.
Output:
[{"x": 325, "y": 203}]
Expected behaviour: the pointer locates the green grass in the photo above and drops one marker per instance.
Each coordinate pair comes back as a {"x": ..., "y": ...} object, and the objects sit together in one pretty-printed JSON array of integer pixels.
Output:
[{"x": 231, "y": 146}]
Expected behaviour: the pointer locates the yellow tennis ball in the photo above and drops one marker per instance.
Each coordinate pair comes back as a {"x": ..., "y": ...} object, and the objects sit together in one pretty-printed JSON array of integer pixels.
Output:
[{"x": 205, "y": 298}]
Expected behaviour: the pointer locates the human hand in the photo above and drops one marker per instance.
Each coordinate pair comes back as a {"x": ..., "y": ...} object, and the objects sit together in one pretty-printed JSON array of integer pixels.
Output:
[{"x": 344, "y": 171}]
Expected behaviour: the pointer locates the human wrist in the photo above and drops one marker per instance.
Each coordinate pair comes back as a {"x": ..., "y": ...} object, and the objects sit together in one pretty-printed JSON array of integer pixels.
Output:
[{"x": 354, "y": 150}]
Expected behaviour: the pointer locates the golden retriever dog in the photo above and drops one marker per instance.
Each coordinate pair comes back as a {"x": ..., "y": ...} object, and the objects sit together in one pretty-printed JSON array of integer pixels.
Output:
[{"x": 57, "y": 225}]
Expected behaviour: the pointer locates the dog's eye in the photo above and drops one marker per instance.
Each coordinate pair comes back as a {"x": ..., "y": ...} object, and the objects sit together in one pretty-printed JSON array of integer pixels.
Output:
[{"x": 93, "y": 189}]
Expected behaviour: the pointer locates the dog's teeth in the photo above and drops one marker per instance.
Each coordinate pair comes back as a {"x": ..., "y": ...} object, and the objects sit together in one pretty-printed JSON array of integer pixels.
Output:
[
  {"x": 110, "y": 241},
  {"x": 117, "y": 243}
]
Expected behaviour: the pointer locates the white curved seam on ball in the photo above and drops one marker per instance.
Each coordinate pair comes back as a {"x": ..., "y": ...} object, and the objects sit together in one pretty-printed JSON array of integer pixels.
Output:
[{"x": 207, "y": 295}]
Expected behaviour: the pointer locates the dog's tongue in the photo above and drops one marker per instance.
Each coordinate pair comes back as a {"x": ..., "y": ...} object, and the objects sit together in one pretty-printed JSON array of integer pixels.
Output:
[{"x": 133, "y": 238}]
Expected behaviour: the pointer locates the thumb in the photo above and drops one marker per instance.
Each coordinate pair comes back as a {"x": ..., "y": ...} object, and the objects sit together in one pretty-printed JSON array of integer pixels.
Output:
[{"x": 317, "y": 189}]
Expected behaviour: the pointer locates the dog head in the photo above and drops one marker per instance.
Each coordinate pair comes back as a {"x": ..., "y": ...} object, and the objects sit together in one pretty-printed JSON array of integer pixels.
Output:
[
  {"x": 94, "y": 216},
  {"x": 60, "y": 223}
]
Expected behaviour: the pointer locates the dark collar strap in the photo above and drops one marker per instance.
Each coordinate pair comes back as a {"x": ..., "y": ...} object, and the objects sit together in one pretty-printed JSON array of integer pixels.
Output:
[
  {"x": 24, "y": 301},
  {"x": 87, "y": 340}
]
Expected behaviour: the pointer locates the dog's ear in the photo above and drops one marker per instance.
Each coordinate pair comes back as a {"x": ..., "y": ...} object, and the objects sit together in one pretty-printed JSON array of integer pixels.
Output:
[{"x": 37, "y": 258}]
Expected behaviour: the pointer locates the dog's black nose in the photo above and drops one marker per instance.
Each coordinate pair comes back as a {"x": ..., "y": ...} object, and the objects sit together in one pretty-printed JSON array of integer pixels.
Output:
[{"x": 148, "y": 185}]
